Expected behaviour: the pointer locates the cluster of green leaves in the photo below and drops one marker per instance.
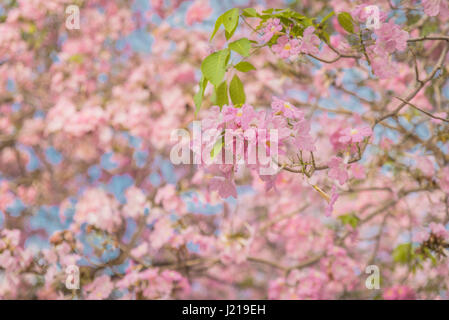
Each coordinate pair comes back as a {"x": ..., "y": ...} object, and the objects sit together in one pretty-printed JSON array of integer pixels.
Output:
[
  {"x": 405, "y": 253},
  {"x": 346, "y": 21},
  {"x": 295, "y": 22},
  {"x": 350, "y": 219},
  {"x": 291, "y": 20},
  {"x": 215, "y": 66}
]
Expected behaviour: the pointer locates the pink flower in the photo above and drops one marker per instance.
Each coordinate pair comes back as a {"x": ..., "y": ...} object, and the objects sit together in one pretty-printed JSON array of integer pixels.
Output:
[
  {"x": 426, "y": 166},
  {"x": 434, "y": 7},
  {"x": 390, "y": 38},
  {"x": 335, "y": 139},
  {"x": 286, "y": 109},
  {"x": 360, "y": 13},
  {"x": 140, "y": 250},
  {"x": 100, "y": 288},
  {"x": 270, "y": 181},
  {"x": 286, "y": 47},
  {"x": 271, "y": 27},
  {"x": 337, "y": 170},
  {"x": 12, "y": 237},
  {"x": 431, "y": 7},
  {"x": 354, "y": 135},
  {"x": 131, "y": 278},
  {"x": 358, "y": 171},
  {"x": 421, "y": 236},
  {"x": 213, "y": 118},
  {"x": 310, "y": 42},
  {"x": 233, "y": 253},
  {"x": 197, "y": 12},
  {"x": 229, "y": 113},
  {"x": 332, "y": 200},
  {"x": 169, "y": 199},
  {"x": 162, "y": 233},
  {"x": 6, "y": 197},
  {"x": 27, "y": 194},
  {"x": 136, "y": 203},
  {"x": 399, "y": 292},
  {"x": 443, "y": 179},
  {"x": 225, "y": 187},
  {"x": 242, "y": 117},
  {"x": 383, "y": 66},
  {"x": 7, "y": 261},
  {"x": 303, "y": 139},
  {"x": 99, "y": 209},
  {"x": 439, "y": 230},
  {"x": 277, "y": 122}
]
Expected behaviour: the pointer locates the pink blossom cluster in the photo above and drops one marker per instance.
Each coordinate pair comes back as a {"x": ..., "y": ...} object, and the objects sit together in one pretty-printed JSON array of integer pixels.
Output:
[
  {"x": 198, "y": 11},
  {"x": 436, "y": 7},
  {"x": 399, "y": 292},
  {"x": 14, "y": 259},
  {"x": 271, "y": 27},
  {"x": 317, "y": 284},
  {"x": 287, "y": 47},
  {"x": 361, "y": 13},
  {"x": 86, "y": 179},
  {"x": 292, "y": 129},
  {"x": 150, "y": 283},
  {"x": 389, "y": 39},
  {"x": 437, "y": 229}
]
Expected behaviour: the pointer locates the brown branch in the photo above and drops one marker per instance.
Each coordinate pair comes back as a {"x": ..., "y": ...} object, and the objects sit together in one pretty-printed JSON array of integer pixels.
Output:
[
  {"x": 438, "y": 37},
  {"x": 419, "y": 86},
  {"x": 423, "y": 111}
]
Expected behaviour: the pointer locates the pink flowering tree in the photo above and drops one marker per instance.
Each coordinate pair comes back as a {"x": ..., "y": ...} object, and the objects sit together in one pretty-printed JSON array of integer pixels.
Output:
[{"x": 92, "y": 205}]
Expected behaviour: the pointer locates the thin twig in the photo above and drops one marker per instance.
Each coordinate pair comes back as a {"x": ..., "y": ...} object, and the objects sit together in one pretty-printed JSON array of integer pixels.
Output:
[{"x": 421, "y": 110}]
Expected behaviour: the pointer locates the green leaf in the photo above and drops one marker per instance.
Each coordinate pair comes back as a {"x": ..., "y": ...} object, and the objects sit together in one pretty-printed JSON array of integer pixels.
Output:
[
  {"x": 323, "y": 35},
  {"x": 214, "y": 67},
  {"x": 217, "y": 26},
  {"x": 231, "y": 19},
  {"x": 429, "y": 27},
  {"x": 307, "y": 22},
  {"x": 217, "y": 148},
  {"x": 403, "y": 253},
  {"x": 289, "y": 13},
  {"x": 227, "y": 58},
  {"x": 221, "y": 93},
  {"x": 269, "y": 11},
  {"x": 345, "y": 20},
  {"x": 331, "y": 14},
  {"x": 31, "y": 28},
  {"x": 236, "y": 91},
  {"x": 77, "y": 58},
  {"x": 244, "y": 66},
  {"x": 230, "y": 34},
  {"x": 241, "y": 46},
  {"x": 198, "y": 98},
  {"x": 350, "y": 219},
  {"x": 250, "y": 12}
]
